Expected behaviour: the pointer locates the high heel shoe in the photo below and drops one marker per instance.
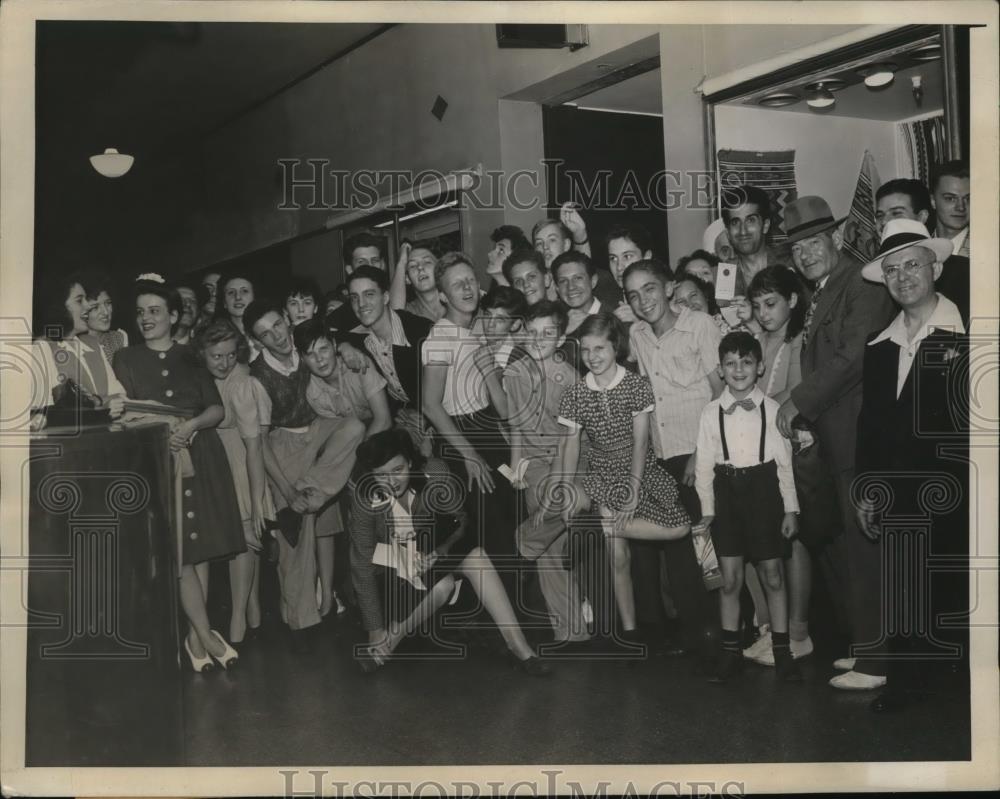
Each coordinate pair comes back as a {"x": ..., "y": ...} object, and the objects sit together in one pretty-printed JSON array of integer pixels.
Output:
[
  {"x": 229, "y": 657},
  {"x": 200, "y": 665}
]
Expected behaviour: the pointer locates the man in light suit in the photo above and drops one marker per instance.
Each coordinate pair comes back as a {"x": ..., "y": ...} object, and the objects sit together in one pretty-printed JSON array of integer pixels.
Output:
[
  {"x": 843, "y": 311},
  {"x": 913, "y": 440}
]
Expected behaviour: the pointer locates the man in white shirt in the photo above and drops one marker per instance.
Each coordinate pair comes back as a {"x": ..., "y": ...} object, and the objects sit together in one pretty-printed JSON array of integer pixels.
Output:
[{"x": 912, "y": 442}]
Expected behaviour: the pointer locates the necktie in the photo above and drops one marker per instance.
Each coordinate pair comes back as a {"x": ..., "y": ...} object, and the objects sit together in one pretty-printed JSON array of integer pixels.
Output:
[
  {"x": 806, "y": 329},
  {"x": 745, "y": 404}
]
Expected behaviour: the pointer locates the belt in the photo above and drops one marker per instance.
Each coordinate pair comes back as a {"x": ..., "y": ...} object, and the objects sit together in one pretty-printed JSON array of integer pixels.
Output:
[
  {"x": 729, "y": 470},
  {"x": 619, "y": 448}
]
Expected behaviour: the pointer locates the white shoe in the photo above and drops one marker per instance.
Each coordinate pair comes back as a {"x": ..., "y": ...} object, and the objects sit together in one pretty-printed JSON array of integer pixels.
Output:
[
  {"x": 587, "y": 611},
  {"x": 857, "y": 681},
  {"x": 801, "y": 649},
  {"x": 844, "y": 664},
  {"x": 762, "y": 644}
]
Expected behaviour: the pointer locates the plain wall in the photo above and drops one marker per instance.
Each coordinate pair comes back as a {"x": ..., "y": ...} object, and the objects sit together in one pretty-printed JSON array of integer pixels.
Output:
[{"x": 828, "y": 150}]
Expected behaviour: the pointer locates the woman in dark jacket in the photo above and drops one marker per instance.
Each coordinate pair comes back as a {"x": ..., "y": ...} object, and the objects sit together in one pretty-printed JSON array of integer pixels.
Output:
[{"x": 409, "y": 550}]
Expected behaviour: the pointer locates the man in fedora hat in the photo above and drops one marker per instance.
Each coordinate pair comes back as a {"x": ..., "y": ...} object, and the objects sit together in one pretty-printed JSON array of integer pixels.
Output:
[
  {"x": 912, "y": 438},
  {"x": 843, "y": 310}
]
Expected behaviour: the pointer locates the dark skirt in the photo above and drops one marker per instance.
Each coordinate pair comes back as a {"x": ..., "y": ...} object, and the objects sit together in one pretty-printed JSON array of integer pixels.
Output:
[{"x": 210, "y": 517}]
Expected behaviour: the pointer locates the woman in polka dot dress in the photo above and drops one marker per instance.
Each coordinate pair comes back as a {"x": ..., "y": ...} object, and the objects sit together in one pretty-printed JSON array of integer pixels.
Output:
[
  {"x": 636, "y": 497},
  {"x": 160, "y": 369}
]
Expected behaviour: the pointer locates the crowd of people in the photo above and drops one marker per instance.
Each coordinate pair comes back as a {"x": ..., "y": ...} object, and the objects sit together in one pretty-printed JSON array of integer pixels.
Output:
[{"x": 746, "y": 408}]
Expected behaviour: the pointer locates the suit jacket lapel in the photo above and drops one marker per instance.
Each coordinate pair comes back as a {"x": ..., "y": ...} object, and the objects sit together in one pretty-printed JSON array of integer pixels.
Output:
[{"x": 831, "y": 292}]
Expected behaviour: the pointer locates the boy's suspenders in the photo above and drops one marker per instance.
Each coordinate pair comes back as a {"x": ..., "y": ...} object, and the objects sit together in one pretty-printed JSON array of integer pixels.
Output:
[{"x": 722, "y": 432}]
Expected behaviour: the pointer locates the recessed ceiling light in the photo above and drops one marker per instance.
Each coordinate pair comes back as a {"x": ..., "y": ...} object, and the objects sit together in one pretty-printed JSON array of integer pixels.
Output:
[
  {"x": 930, "y": 52},
  {"x": 878, "y": 75},
  {"x": 778, "y": 99},
  {"x": 827, "y": 84}
]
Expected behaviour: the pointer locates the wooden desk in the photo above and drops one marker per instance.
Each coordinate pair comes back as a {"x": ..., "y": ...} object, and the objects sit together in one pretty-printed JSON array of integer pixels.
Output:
[{"x": 103, "y": 674}]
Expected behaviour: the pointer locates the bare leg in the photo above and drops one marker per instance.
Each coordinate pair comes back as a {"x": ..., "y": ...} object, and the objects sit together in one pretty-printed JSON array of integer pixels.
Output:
[
  {"x": 621, "y": 565},
  {"x": 324, "y": 559},
  {"x": 729, "y": 596},
  {"x": 431, "y": 604},
  {"x": 193, "y": 605},
  {"x": 241, "y": 576},
  {"x": 771, "y": 573},
  {"x": 253, "y": 602},
  {"x": 645, "y": 530},
  {"x": 757, "y": 592},
  {"x": 478, "y": 569},
  {"x": 799, "y": 574}
]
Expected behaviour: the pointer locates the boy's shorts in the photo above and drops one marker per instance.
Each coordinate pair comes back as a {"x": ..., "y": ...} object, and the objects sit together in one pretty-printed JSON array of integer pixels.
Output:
[{"x": 748, "y": 513}]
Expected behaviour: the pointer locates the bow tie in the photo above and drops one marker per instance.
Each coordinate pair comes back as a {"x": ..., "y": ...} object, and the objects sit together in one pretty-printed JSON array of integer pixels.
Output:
[{"x": 746, "y": 404}]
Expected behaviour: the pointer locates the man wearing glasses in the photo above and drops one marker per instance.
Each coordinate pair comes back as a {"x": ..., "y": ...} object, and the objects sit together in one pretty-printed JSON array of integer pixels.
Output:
[
  {"x": 913, "y": 440},
  {"x": 843, "y": 311}
]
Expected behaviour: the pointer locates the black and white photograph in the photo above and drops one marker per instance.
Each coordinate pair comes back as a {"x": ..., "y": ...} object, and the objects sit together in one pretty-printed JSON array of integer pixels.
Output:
[{"x": 446, "y": 398}]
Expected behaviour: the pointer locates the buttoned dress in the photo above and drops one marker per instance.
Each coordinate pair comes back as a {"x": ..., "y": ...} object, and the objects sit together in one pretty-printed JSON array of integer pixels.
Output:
[{"x": 210, "y": 518}]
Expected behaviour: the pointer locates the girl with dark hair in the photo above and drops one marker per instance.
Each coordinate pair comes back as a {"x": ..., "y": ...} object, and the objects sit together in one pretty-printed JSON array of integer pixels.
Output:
[
  {"x": 699, "y": 295},
  {"x": 234, "y": 294},
  {"x": 225, "y": 353},
  {"x": 67, "y": 352},
  {"x": 163, "y": 371},
  {"x": 700, "y": 263},
  {"x": 635, "y": 497},
  {"x": 99, "y": 317},
  {"x": 779, "y": 301},
  {"x": 411, "y": 513}
]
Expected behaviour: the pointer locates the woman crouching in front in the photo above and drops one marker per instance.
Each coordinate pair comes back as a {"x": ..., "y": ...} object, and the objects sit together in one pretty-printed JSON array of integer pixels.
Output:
[{"x": 409, "y": 550}]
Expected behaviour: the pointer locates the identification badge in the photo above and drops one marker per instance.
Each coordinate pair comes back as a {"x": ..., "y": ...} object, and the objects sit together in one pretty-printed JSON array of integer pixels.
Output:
[{"x": 725, "y": 281}]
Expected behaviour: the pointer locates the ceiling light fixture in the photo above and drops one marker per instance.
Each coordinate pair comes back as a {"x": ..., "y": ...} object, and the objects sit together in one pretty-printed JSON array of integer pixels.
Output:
[
  {"x": 878, "y": 75},
  {"x": 778, "y": 99},
  {"x": 111, "y": 163},
  {"x": 918, "y": 90},
  {"x": 821, "y": 97}
]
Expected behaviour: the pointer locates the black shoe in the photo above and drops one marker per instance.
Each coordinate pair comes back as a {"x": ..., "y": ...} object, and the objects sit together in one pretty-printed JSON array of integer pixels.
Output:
[
  {"x": 533, "y": 666},
  {"x": 290, "y": 524},
  {"x": 672, "y": 650},
  {"x": 729, "y": 665},
  {"x": 786, "y": 668}
]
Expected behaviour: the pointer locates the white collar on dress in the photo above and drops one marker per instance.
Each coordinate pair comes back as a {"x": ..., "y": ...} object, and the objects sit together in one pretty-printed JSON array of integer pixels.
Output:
[{"x": 620, "y": 373}]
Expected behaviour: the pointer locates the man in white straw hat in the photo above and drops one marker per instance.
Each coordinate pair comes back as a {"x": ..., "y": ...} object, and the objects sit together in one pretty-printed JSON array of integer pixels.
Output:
[
  {"x": 912, "y": 468},
  {"x": 843, "y": 311}
]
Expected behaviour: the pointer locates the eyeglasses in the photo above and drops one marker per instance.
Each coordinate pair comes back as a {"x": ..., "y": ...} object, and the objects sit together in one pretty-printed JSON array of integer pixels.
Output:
[{"x": 908, "y": 268}]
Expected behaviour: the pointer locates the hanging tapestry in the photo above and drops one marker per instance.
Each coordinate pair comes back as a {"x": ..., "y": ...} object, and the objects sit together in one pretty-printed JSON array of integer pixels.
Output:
[{"x": 774, "y": 172}]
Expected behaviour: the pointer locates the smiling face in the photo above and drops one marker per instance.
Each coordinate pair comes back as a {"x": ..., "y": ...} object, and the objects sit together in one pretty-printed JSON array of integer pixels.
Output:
[
  {"x": 688, "y": 295},
  {"x": 550, "y": 242},
  {"x": 220, "y": 358},
  {"x": 497, "y": 323},
  {"x": 99, "y": 316},
  {"x": 646, "y": 296},
  {"x": 621, "y": 253},
  {"x": 321, "y": 358},
  {"x": 300, "y": 308},
  {"x": 701, "y": 269},
  {"x": 910, "y": 275},
  {"x": 575, "y": 285},
  {"x": 77, "y": 307},
  {"x": 772, "y": 310},
  {"x": 740, "y": 373},
  {"x": 420, "y": 270},
  {"x": 274, "y": 332},
  {"x": 747, "y": 229},
  {"x": 460, "y": 288},
  {"x": 237, "y": 295},
  {"x": 368, "y": 301},
  {"x": 815, "y": 257},
  {"x": 153, "y": 317},
  {"x": 597, "y": 354},
  {"x": 527, "y": 279},
  {"x": 951, "y": 202},
  {"x": 543, "y": 337},
  {"x": 393, "y": 476}
]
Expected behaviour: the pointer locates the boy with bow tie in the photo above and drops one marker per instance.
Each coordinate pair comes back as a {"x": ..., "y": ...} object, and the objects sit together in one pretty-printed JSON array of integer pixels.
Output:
[{"x": 749, "y": 505}]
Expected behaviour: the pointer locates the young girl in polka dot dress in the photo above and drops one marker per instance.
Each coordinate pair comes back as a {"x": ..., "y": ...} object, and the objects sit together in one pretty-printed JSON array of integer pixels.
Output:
[{"x": 623, "y": 482}]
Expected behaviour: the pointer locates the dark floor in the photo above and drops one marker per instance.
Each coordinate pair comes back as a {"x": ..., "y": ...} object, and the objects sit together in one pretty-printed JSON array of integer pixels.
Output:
[{"x": 300, "y": 709}]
